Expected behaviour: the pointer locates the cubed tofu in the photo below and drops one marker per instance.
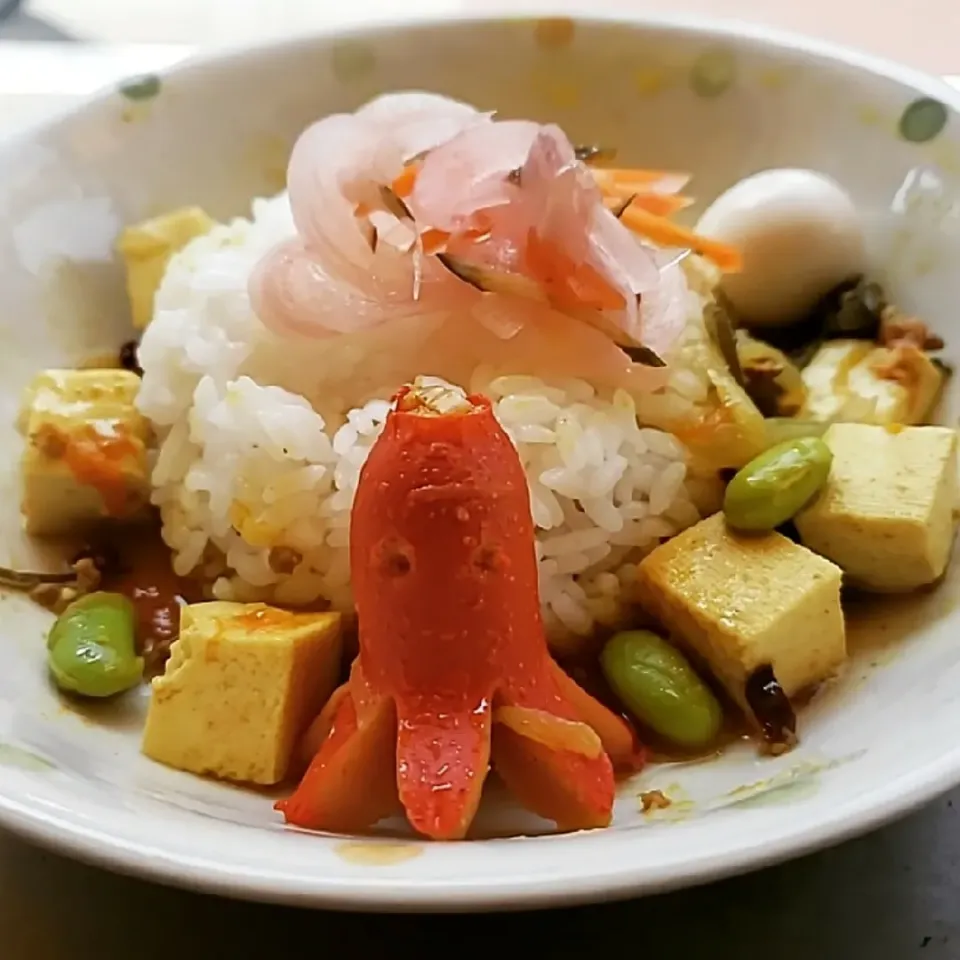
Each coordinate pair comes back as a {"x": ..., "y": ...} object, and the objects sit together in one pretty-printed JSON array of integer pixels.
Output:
[
  {"x": 857, "y": 380},
  {"x": 86, "y": 451},
  {"x": 743, "y": 602},
  {"x": 242, "y": 684},
  {"x": 146, "y": 249},
  {"x": 886, "y": 515},
  {"x": 825, "y": 377}
]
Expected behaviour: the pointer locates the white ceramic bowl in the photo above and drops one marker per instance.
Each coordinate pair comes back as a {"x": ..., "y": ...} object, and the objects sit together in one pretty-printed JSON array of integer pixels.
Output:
[{"x": 719, "y": 101}]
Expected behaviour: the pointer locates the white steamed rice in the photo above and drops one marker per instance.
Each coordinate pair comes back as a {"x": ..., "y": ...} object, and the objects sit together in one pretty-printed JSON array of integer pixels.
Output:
[{"x": 257, "y": 466}]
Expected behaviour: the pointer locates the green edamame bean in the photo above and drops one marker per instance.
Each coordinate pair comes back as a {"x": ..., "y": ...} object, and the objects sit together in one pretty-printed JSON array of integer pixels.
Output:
[
  {"x": 91, "y": 648},
  {"x": 773, "y": 487},
  {"x": 658, "y": 686}
]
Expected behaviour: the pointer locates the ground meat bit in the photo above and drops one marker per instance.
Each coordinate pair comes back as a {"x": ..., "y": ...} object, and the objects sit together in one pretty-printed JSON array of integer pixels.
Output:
[
  {"x": 53, "y": 596},
  {"x": 56, "y": 597},
  {"x": 158, "y": 622},
  {"x": 900, "y": 364},
  {"x": 778, "y": 749},
  {"x": 88, "y": 574},
  {"x": 284, "y": 559},
  {"x": 155, "y": 652},
  {"x": 129, "y": 359},
  {"x": 900, "y": 329},
  {"x": 103, "y": 556},
  {"x": 654, "y": 800}
]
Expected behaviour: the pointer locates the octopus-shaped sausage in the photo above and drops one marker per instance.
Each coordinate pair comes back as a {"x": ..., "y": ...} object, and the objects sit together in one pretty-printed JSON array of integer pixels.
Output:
[{"x": 453, "y": 674}]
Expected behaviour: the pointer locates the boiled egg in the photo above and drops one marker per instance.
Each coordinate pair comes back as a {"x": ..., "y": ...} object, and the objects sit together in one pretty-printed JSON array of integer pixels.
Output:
[{"x": 800, "y": 236}]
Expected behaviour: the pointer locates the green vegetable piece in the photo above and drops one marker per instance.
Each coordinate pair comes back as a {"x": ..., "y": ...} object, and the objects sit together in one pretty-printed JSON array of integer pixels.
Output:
[
  {"x": 658, "y": 686},
  {"x": 91, "y": 648},
  {"x": 773, "y": 487},
  {"x": 722, "y": 331},
  {"x": 144, "y": 87},
  {"x": 781, "y": 429}
]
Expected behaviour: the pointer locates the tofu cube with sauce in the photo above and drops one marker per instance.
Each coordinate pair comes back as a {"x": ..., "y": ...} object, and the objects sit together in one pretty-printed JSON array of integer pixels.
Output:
[
  {"x": 887, "y": 513},
  {"x": 857, "y": 380},
  {"x": 242, "y": 684},
  {"x": 86, "y": 451},
  {"x": 739, "y": 603},
  {"x": 146, "y": 249}
]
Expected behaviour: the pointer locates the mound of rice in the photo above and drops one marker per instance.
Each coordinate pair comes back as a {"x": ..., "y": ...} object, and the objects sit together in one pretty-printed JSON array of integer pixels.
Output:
[{"x": 257, "y": 464}]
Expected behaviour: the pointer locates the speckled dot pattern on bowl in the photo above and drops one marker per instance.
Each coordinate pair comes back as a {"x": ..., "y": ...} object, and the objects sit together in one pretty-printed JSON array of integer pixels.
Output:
[
  {"x": 713, "y": 72},
  {"x": 145, "y": 87},
  {"x": 923, "y": 120}
]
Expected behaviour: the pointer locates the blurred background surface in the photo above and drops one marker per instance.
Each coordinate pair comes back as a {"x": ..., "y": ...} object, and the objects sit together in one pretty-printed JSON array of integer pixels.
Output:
[{"x": 921, "y": 32}]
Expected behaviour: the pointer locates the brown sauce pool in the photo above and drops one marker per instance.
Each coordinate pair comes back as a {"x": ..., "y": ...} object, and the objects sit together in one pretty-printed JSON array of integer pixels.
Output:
[
  {"x": 137, "y": 564},
  {"x": 139, "y": 568}
]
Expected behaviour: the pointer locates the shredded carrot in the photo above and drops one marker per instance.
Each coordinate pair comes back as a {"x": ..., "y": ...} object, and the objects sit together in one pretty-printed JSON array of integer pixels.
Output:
[
  {"x": 656, "y": 191},
  {"x": 569, "y": 285},
  {"x": 633, "y": 175},
  {"x": 646, "y": 215},
  {"x": 669, "y": 234},
  {"x": 592, "y": 290},
  {"x": 622, "y": 182},
  {"x": 434, "y": 240},
  {"x": 661, "y": 204},
  {"x": 403, "y": 185},
  {"x": 480, "y": 226}
]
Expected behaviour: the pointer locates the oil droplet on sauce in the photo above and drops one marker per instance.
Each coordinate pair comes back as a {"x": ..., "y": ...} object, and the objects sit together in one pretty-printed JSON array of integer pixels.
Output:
[{"x": 378, "y": 854}]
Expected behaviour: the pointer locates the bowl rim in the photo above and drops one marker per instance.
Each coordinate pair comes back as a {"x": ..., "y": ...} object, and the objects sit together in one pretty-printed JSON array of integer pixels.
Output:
[
  {"x": 624, "y": 879},
  {"x": 498, "y": 11}
]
